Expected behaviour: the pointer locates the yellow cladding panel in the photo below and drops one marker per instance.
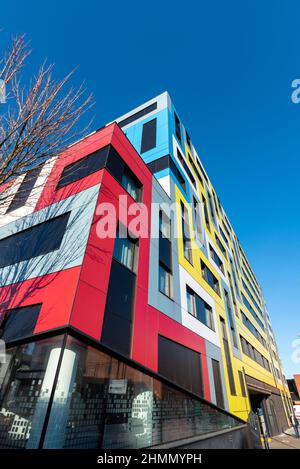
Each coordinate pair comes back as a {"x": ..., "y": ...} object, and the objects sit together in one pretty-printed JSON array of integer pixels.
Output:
[
  {"x": 238, "y": 404},
  {"x": 194, "y": 268}
]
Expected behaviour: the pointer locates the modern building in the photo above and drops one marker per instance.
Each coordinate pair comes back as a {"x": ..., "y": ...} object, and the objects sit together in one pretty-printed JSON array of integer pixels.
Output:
[
  {"x": 131, "y": 315},
  {"x": 294, "y": 387}
]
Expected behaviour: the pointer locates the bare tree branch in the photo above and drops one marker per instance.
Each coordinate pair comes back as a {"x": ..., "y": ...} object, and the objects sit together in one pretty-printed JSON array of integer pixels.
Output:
[{"x": 40, "y": 119}]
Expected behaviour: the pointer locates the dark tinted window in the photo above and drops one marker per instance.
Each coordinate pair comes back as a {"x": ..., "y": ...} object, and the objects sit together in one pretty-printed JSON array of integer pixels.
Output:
[
  {"x": 253, "y": 329},
  {"x": 166, "y": 162},
  {"x": 195, "y": 169},
  {"x": 131, "y": 184},
  {"x": 107, "y": 157},
  {"x": 180, "y": 364},
  {"x": 223, "y": 235},
  {"x": 210, "y": 278},
  {"x": 177, "y": 127},
  {"x": 242, "y": 383},
  {"x": 116, "y": 331},
  {"x": 251, "y": 351},
  {"x": 206, "y": 217},
  {"x": 83, "y": 167},
  {"x": 138, "y": 114},
  {"x": 218, "y": 383},
  {"x": 202, "y": 169},
  {"x": 32, "y": 242},
  {"x": 252, "y": 297},
  {"x": 24, "y": 190},
  {"x": 148, "y": 136},
  {"x": 126, "y": 248},
  {"x": 216, "y": 258},
  {"x": 19, "y": 322},
  {"x": 188, "y": 140},
  {"x": 222, "y": 248},
  {"x": 165, "y": 252},
  {"x": 254, "y": 314},
  {"x": 228, "y": 358},
  {"x": 186, "y": 238},
  {"x": 187, "y": 169}
]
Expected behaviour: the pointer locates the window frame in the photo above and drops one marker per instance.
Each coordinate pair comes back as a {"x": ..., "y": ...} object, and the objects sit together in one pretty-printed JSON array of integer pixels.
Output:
[{"x": 132, "y": 241}]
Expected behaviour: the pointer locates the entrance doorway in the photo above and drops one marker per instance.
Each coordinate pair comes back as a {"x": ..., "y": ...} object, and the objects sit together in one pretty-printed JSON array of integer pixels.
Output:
[{"x": 260, "y": 400}]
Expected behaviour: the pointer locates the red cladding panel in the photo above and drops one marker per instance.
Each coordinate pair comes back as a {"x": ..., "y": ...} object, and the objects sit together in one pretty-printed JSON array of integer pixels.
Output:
[
  {"x": 55, "y": 291},
  {"x": 89, "y": 306}
]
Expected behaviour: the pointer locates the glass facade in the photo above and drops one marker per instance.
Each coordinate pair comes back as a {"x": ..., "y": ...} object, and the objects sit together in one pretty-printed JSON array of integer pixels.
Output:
[
  {"x": 94, "y": 401},
  {"x": 26, "y": 381}
]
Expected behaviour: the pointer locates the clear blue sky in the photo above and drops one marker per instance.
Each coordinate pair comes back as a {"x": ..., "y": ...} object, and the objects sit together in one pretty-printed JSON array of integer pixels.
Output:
[{"x": 228, "y": 66}]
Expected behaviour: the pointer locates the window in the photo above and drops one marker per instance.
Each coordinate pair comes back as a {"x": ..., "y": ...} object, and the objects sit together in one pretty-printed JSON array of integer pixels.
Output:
[
  {"x": 244, "y": 345},
  {"x": 83, "y": 167},
  {"x": 218, "y": 383},
  {"x": 167, "y": 162},
  {"x": 197, "y": 216},
  {"x": 188, "y": 140},
  {"x": 223, "y": 235},
  {"x": 211, "y": 206},
  {"x": 202, "y": 169},
  {"x": 198, "y": 308},
  {"x": 131, "y": 184},
  {"x": 230, "y": 317},
  {"x": 165, "y": 281},
  {"x": 235, "y": 252},
  {"x": 228, "y": 358},
  {"x": 216, "y": 258},
  {"x": 234, "y": 275},
  {"x": 177, "y": 127},
  {"x": 186, "y": 168},
  {"x": 254, "y": 354},
  {"x": 215, "y": 202},
  {"x": 206, "y": 217},
  {"x": 228, "y": 224},
  {"x": 187, "y": 250},
  {"x": 251, "y": 296},
  {"x": 225, "y": 228},
  {"x": 19, "y": 322},
  {"x": 210, "y": 278},
  {"x": 26, "y": 384},
  {"x": 24, "y": 190},
  {"x": 180, "y": 365},
  {"x": 35, "y": 241},
  {"x": 195, "y": 169},
  {"x": 233, "y": 294},
  {"x": 220, "y": 246},
  {"x": 219, "y": 204},
  {"x": 138, "y": 115},
  {"x": 253, "y": 329},
  {"x": 165, "y": 254},
  {"x": 148, "y": 136},
  {"x": 254, "y": 314},
  {"x": 107, "y": 157},
  {"x": 117, "y": 325},
  {"x": 242, "y": 384},
  {"x": 251, "y": 284},
  {"x": 126, "y": 248},
  {"x": 164, "y": 225}
]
